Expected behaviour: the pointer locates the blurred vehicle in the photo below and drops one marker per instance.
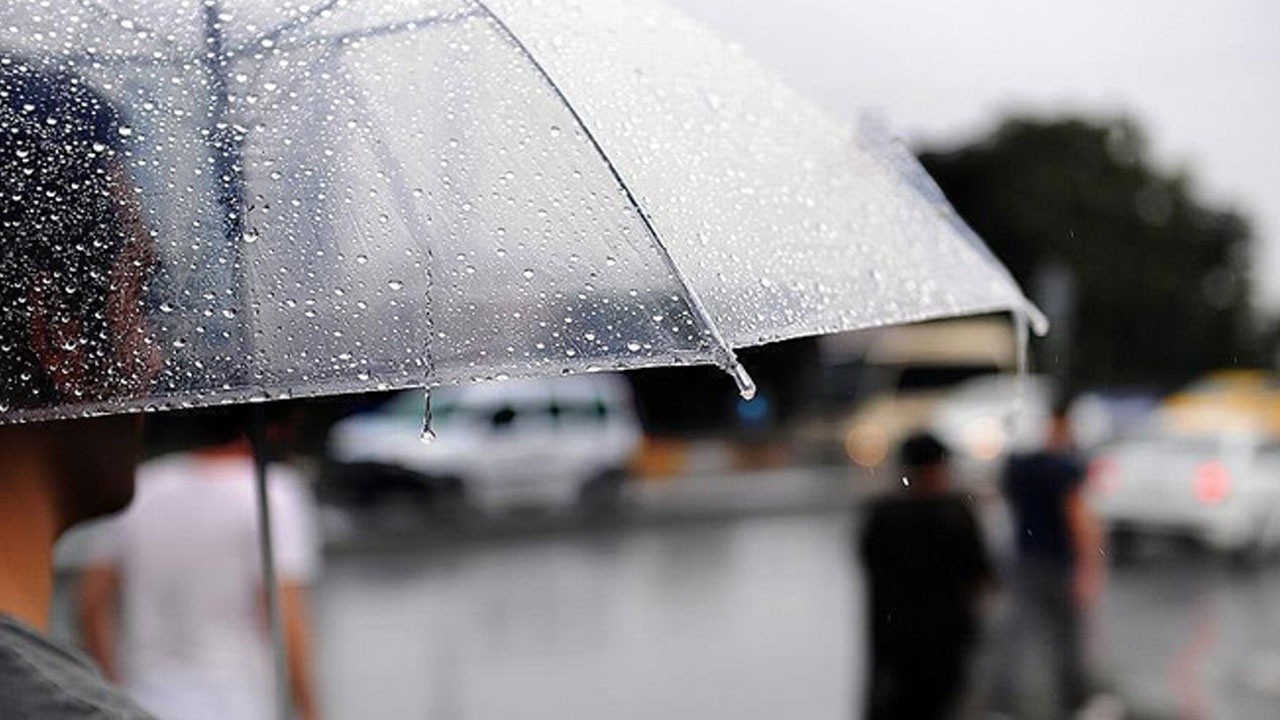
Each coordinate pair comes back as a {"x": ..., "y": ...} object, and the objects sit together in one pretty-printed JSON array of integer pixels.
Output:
[
  {"x": 550, "y": 442},
  {"x": 1221, "y": 489},
  {"x": 1207, "y": 466},
  {"x": 1238, "y": 400},
  {"x": 908, "y": 371},
  {"x": 984, "y": 419}
]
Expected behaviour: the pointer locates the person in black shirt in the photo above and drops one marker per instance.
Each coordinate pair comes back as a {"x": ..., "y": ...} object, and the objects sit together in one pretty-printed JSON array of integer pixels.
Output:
[
  {"x": 1058, "y": 568},
  {"x": 927, "y": 566}
]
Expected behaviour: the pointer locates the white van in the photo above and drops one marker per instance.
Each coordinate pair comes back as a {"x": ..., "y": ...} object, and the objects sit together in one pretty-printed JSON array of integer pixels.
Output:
[{"x": 549, "y": 442}]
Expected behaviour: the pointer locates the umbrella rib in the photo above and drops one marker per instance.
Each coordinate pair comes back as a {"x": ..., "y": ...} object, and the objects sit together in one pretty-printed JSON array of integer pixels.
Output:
[
  {"x": 301, "y": 19},
  {"x": 729, "y": 359}
]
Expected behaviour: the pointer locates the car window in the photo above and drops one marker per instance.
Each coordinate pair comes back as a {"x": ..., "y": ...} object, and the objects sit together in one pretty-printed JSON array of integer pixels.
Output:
[
  {"x": 503, "y": 419},
  {"x": 584, "y": 412}
]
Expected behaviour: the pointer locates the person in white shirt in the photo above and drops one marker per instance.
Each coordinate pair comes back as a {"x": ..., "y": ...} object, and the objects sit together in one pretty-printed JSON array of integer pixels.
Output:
[{"x": 181, "y": 571}]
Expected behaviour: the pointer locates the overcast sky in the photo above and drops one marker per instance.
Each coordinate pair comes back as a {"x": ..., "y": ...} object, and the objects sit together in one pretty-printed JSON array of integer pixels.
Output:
[{"x": 1202, "y": 76}]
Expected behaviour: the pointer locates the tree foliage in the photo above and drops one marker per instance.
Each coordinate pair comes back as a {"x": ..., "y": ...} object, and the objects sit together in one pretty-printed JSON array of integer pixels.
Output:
[{"x": 1162, "y": 289}]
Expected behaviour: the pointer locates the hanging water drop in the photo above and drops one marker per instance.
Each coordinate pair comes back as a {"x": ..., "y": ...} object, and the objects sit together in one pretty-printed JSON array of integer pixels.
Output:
[{"x": 428, "y": 435}]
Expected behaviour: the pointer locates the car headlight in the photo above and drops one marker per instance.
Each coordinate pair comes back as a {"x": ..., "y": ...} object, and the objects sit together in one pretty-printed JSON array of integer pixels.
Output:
[
  {"x": 867, "y": 445},
  {"x": 984, "y": 439}
]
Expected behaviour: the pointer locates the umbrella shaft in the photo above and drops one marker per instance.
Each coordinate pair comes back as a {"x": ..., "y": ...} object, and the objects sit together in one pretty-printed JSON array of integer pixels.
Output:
[{"x": 271, "y": 589}]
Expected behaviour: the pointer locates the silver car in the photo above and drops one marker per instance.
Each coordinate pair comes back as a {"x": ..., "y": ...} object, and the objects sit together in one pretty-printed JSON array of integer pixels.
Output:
[
  {"x": 550, "y": 442},
  {"x": 1223, "y": 490}
]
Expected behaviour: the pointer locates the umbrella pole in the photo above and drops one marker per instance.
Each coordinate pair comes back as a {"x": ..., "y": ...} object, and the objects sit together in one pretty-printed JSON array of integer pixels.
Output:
[{"x": 271, "y": 588}]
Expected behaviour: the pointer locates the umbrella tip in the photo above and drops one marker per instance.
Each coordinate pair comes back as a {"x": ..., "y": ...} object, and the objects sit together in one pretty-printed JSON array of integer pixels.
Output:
[{"x": 746, "y": 386}]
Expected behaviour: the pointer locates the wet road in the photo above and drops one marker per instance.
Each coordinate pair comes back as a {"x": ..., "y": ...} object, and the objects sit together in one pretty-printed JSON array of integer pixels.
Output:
[
  {"x": 752, "y": 618},
  {"x": 1183, "y": 634},
  {"x": 757, "y": 617}
]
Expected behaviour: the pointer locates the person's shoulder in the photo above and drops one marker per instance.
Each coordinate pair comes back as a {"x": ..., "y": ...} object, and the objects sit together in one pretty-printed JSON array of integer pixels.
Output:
[
  {"x": 957, "y": 500},
  {"x": 1075, "y": 461},
  {"x": 1018, "y": 465},
  {"x": 164, "y": 467},
  {"x": 39, "y": 679},
  {"x": 881, "y": 510},
  {"x": 1017, "y": 461},
  {"x": 1057, "y": 461},
  {"x": 953, "y": 504},
  {"x": 1073, "y": 467},
  {"x": 887, "y": 504}
]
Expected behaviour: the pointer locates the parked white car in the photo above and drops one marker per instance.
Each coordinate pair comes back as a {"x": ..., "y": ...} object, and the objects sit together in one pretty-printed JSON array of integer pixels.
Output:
[
  {"x": 550, "y": 442},
  {"x": 1223, "y": 490}
]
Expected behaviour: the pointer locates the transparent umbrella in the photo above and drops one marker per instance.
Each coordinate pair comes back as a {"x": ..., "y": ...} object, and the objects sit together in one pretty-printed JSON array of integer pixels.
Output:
[
  {"x": 224, "y": 201},
  {"x": 355, "y": 195}
]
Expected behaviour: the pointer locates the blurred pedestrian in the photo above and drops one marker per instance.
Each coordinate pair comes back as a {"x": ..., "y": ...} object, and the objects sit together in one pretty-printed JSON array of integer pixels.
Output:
[
  {"x": 73, "y": 262},
  {"x": 182, "y": 568},
  {"x": 1057, "y": 572},
  {"x": 927, "y": 567}
]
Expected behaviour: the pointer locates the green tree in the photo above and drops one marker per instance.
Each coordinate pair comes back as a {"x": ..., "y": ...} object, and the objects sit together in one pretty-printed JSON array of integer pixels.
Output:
[{"x": 1162, "y": 292}]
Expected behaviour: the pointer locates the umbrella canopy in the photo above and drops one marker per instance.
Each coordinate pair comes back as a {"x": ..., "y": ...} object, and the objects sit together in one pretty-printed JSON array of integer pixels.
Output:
[{"x": 231, "y": 200}]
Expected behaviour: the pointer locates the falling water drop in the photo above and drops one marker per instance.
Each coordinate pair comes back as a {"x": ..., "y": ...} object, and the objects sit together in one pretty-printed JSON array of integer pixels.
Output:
[{"x": 428, "y": 435}]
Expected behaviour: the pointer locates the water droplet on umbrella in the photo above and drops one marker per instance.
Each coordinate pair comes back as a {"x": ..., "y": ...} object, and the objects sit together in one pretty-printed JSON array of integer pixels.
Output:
[{"x": 395, "y": 284}]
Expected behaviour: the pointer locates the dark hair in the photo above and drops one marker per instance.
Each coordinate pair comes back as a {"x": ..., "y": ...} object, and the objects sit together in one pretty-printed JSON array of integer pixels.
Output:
[
  {"x": 922, "y": 450},
  {"x": 60, "y": 226}
]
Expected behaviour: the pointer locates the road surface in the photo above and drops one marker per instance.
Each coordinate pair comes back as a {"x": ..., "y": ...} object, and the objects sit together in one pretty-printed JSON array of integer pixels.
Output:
[{"x": 738, "y": 616}]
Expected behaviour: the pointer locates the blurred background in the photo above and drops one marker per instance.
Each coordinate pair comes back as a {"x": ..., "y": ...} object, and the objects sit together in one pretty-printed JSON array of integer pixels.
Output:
[{"x": 649, "y": 545}]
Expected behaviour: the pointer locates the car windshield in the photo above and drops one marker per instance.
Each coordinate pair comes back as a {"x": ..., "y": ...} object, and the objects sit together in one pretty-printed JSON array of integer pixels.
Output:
[{"x": 553, "y": 412}]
